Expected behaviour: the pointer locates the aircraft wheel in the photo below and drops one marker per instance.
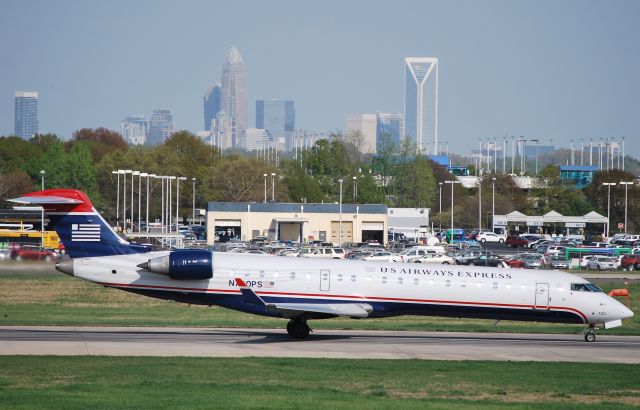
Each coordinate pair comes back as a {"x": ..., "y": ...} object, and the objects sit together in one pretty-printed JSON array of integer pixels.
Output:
[
  {"x": 483, "y": 240},
  {"x": 298, "y": 329},
  {"x": 472, "y": 264},
  {"x": 589, "y": 337}
]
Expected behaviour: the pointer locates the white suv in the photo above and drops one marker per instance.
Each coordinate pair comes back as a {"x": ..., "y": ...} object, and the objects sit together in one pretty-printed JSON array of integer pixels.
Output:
[{"x": 329, "y": 253}]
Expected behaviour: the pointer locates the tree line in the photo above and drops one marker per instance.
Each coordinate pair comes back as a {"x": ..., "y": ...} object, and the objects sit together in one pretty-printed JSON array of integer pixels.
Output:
[{"x": 396, "y": 177}]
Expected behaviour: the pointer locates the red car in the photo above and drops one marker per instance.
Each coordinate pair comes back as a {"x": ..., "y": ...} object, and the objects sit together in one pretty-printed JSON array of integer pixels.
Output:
[
  {"x": 31, "y": 252},
  {"x": 516, "y": 241},
  {"x": 630, "y": 262},
  {"x": 516, "y": 262}
]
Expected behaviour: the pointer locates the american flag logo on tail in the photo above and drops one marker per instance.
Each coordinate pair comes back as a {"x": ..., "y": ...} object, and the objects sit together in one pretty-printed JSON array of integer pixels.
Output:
[{"x": 85, "y": 232}]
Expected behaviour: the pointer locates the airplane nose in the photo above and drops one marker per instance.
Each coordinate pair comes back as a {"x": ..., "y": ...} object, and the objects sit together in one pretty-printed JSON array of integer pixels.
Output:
[
  {"x": 626, "y": 313},
  {"x": 65, "y": 266}
]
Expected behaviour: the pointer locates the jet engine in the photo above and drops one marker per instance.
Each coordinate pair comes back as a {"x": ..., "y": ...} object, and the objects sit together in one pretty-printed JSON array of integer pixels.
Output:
[{"x": 184, "y": 264}]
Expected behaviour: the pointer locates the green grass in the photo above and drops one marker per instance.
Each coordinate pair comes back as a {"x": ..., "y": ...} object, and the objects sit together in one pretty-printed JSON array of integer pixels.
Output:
[
  {"x": 30, "y": 382},
  {"x": 56, "y": 299}
]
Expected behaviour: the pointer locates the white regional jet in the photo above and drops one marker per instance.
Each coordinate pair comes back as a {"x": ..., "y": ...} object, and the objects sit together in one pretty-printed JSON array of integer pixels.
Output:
[{"x": 300, "y": 289}]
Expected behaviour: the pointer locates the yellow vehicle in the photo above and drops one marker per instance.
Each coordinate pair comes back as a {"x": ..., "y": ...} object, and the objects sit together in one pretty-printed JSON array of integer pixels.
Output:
[{"x": 51, "y": 238}]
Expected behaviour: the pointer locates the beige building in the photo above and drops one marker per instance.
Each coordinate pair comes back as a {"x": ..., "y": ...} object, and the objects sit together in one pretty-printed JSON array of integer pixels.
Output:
[
  {"x": 367, "y": 126},
  {"x": 296, "y": 222}
]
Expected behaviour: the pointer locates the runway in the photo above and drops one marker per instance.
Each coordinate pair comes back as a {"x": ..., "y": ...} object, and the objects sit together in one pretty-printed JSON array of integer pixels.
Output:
[{"x": 147, "y": 341}]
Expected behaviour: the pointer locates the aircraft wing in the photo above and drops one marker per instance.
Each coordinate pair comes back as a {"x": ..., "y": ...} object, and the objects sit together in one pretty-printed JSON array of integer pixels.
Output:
[{"x": 292, "y": 310}]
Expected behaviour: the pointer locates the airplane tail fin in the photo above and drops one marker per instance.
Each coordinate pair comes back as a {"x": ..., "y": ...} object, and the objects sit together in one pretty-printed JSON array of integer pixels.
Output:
[{"x": 80, "y": 227}]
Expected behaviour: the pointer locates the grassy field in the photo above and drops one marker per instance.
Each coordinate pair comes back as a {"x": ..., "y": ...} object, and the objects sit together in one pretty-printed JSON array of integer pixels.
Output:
[
  {"x": 56, "y": 299},
  {"x": 149, "y": 383}
]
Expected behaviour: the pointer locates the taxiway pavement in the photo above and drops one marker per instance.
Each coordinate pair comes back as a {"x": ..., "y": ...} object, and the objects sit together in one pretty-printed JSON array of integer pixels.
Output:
[{"x": 214, "y": 342}]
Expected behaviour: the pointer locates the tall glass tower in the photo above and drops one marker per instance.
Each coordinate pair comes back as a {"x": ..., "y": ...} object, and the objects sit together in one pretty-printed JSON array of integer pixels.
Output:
[
  {"x": 278, "y": 118},
  {"x": 233, "y": 99},
  {"x": 161, "y": 126},
  {"x": 421, "y": 102},
  {"x": 26, "y": 114},
  {"x": 211, "y": 103}
]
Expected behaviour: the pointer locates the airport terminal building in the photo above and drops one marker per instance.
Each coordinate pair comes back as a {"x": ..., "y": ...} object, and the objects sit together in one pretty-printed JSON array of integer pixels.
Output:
[{"x": 296, "y": 222}]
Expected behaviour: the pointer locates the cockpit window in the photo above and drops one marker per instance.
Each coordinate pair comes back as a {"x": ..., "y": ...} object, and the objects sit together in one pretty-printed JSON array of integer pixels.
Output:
[{"x": 585, "y": 287}]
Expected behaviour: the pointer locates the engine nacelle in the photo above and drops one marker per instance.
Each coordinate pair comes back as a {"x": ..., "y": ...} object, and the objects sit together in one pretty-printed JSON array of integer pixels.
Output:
[{"x": 185, "y": 264}]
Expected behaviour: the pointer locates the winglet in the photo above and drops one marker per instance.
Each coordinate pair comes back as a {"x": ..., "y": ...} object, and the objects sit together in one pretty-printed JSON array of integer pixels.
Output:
[{"x": 249, "y": 295}]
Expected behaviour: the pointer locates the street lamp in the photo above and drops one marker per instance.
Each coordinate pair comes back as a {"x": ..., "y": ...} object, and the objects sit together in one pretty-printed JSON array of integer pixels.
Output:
[
  {"x": 480, "y": 203},
  {"x": 536, "y": 141},
  {"x": 626, "y": 185},
  {"x": 608, "y": 185},
  {"x": 133, "y": 173},
  {"x": 273, "y": 187},
  {"x": 355, "y": 188},
  {"x": 117, "y": 198},
  {"x": 142, "y": 174},
  {"x": 42, "y": 179},
  {"x": 440, "y": 211},
  {"x": 169, "y": 204},
  {"x": 451, "y": 182},
  {"x": 340, "y": 220},
  {"x": 124, "y": 198},
  {"x": 493, "y": 201},
  {"x": 193, "y": 203},
  {"x": 178, "y": 179},
  {"x": 265, "y": 188},
  {"x": 149, "y": 176}
]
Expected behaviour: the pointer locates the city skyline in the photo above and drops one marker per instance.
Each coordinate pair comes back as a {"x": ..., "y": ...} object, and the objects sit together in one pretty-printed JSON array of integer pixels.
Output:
[{"x": 547, "y": 72}]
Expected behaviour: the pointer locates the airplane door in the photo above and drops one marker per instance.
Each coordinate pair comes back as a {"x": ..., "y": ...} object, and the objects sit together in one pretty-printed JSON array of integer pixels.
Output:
[
  {"x": 325, "y": 279},
  {"x": 542, "y": 296}
]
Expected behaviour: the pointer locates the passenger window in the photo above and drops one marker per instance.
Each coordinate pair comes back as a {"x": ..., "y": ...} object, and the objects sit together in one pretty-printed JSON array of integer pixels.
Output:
[
  {"x": 399, "y": 280},
  {"x": 495, "y": 285},
  {"x": 463, "y": 284},
  {"x": 447, "y": 283},
  {"x": 415, "y": 281},
  {"x": 353, "y": 278},
  {"x": 339, "y": 277},
  {"x": 384, "y": 279},
  {"x": 292, "y": 275}
]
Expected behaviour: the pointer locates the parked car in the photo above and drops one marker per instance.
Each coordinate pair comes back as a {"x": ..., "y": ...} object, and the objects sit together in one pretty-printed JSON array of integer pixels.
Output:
[
  {"x": 538, "y": 242},
  {"x": 516, "y": 241},
  {"x": 558, "y": 262},
  {"x": 516, "y": 262},
  {"x": 602, "y": 263},
  {"x": 534, "y": 261},
  {"x": 555, "y": 250},
  {"x": 630, "y": 262},
  {"x": 383, "y": 256},
  {"x": 32, "y": 252},
  {"x": 433, "y": 258},
  {"x": 464, "y": 257},
  {"x": 584, "y": 261},
  {"x": 489, "y": 237},
  {"x": 410, "y": 254},
  {"x": 487, "y": 259}
]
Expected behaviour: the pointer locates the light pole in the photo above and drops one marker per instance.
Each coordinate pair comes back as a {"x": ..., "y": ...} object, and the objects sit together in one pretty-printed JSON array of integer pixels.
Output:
[
  {"x": 340, "y": 220},
  {"x": 193, "y": 202},
  {"x": 623, "y": 138},
  {"x": 493, "y": 201},
  {"x": 124, "y": 199},
  {"x": 42, "y": 179},
  {"x": 178, "y": 179},
  {"x": 169, "y": 205},
  {"x": 626, "y": 186},
  {"x": 149, "y": 176},
  {"x": 142, "y": 174},
  {"x": 451, "y": 182},
  {"x": 355, "y": 188},
  {"x": 480, "y": 203},
  {"x": 581, "y": 151},
  {"x": 536, "y": 141},
  {"x": 440, "y": 210},
  {"x": 504, "y": 154},
  {"x": 133, "y": 173},
  {"x": 608, "y": 185},
  {"x": 161, "y": 178},
  {"x": 513, "y": 151},
  {"x": 117, "y": 198},
  {"x": 572, "y": 157},
  {"x": 265, "y": 188},
  {"x": 273, "y": 187}
]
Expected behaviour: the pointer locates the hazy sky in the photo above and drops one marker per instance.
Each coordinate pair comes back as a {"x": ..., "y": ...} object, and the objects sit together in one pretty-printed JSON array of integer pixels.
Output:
[{"x": 542, "y": 69}]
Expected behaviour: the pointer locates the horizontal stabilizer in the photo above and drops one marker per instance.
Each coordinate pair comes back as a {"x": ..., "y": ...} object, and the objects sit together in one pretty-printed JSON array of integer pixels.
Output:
[
  {"x": 45, "y": 200},
  {"x": 334, "y": 309}
]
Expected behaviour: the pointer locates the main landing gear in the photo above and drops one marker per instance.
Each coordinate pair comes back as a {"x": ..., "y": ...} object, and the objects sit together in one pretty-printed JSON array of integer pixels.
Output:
[
  {"x": 298, "y": 328},
  {"x": 590, "y": 334}
]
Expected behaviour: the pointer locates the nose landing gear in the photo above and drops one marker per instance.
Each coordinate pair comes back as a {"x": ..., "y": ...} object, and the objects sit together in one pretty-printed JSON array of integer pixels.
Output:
[{"x": 298, "y": 328}]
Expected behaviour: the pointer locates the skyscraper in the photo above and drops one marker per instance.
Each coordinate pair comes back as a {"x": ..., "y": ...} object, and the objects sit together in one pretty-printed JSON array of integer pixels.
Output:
[
  {"x": 366, "y": 126},
  {"x": 254, "y": 139},
  {"x": 421, "y": 102},
  {"x": 134, "y": 129},
  {"x": 278, "y": 118},
  {"x": 390, "y": 127},
  {"x": 211, "y": 105},
  {"x": 161, "y": 126},
  {"x": 234, "y": 93},
  {"x": 26, "y": 114},
  {"x": 222, "y": 131}
]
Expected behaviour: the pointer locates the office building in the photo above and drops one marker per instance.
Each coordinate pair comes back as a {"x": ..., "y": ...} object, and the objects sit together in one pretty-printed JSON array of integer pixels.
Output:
[
  {"x": 389, "y": 129},
  {"x": 161, "y": 126},
  {"x": 366, "y": 126},
  {"x": 221, "y": 129},
  {"x": 421, "y": 103},
  {"x": 233, "y": 97},
  {"x": 211, "y": 102},
  {"x": 26, "y": 114},
  {"x": 134, "y": 129},
  {"x": 278, "y": 117},
  {"x": 255, "y": 139}
]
